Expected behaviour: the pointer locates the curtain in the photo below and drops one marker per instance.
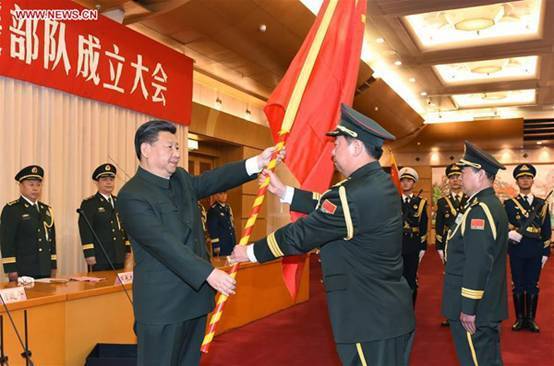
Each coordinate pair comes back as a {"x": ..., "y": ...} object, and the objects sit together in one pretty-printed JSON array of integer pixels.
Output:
[{"x": 69, "y": 137}]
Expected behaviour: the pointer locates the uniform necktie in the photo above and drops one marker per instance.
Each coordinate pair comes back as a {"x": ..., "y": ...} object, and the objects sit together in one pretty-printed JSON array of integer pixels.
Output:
[
  {"x": 110, "y": 200},
  {"x": 407, "y": 199}
]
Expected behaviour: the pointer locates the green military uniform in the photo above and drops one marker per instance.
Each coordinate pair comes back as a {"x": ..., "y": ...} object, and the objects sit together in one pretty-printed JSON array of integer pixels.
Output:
[
  {"x": 448, "y": 208},
  {"x": 171, "y": 295},
  {"x": 358, "y": 226},
  {"x": 104, "y": 219},
  {"x": 475, "y": 272},
  {"x": 28, "y": 234}
]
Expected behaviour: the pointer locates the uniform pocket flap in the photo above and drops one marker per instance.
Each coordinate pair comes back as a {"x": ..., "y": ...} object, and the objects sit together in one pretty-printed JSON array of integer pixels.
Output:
[{"x": 335, "y": 282}]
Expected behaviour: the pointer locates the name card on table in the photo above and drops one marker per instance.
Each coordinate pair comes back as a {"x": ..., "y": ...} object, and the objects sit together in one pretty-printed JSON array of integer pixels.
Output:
[
  {"x": 13, "y": 294},
  {"x": 124, "y": 278}
]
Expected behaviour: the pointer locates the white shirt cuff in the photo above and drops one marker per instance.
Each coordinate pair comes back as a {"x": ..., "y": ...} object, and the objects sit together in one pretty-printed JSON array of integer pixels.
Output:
[
  {"x": 250, "y": 253},
  {"x": 252, "y": 166},
  {"x": 288, "y": 196}
]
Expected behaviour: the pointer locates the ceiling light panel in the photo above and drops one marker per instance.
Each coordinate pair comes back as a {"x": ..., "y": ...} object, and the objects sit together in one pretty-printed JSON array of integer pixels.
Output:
[
  {"x": 514, "y": 68},
  {"x": 503, "y": 98},
  {"x": 479, "y": 25}
]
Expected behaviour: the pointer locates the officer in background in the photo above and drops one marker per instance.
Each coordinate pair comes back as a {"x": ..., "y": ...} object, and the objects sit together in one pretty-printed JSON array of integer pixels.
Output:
[
  {"x": 448, "y": 208},
  {"x": 414, "y": 227},
  {"x": 357, "y": 224},
  {"x": 204, "y": 221},
  {"x": 27, "y": 232},
  {"x": 529, "y": 246},
  {"x": 102, "y": 213},
  {"x": 474, "y": 295},
  {"x": 220, "y": 225}
]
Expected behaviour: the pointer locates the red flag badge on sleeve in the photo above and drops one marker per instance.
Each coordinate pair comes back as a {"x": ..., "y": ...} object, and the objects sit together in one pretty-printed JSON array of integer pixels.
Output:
[
  {"x": 477, "y": 224},
  {"x": 328, "y": 207}
]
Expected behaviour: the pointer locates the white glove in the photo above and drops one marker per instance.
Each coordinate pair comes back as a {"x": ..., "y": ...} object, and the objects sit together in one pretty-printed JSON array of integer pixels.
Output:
[
  {"x": 421, "y": 254},
  {"x": 441, "y": 255},
  {"x": 515, "y": 236},
  {"x": 543, "y": 261}
]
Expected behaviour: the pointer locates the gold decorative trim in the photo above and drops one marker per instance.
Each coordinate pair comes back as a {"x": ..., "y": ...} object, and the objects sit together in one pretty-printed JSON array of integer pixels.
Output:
[
  {"x": 8, "y": 260},
  {"x": 88, "y": 246},
  {"x": 346, "y": 211},
  {"x": 361, "y": 354},
  {"x": 274, "y": 246},
  {"x": 472, "y": 294},
  {"x": 473, "y": 354},
  {"x": 489, "y": 217}
]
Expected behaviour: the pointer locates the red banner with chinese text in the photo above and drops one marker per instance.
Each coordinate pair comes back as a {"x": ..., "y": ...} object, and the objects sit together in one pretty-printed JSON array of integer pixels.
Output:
[{"x": 61, "y": 45}]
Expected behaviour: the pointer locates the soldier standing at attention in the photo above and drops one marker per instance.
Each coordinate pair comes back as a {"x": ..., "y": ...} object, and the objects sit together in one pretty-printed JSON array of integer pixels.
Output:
[
  {"x": 102, "y": 213},
  {"x": 448, "y": 208},
  {"x": 474, "y": 295},
  {"x": 27, "y": 232},
  {"x": 529, "y": 246},
  {"x": 414, "y": 228},
  {"x": 220, "y": 225},
  {"x": 357, "y": 224}
]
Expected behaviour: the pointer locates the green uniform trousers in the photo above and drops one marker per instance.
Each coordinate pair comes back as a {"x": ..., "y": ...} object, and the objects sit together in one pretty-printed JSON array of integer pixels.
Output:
[
  {"x": 175, "y": 344},
  {"x": 479, "y": 349},
  {"x": 385, "y": 352}
]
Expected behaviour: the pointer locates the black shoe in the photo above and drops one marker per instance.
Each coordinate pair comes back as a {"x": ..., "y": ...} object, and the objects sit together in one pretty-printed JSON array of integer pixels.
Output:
[
  {"x": 532, "y": 301},
  {"x": 519, "y": 306},
  {"x": 445, "y": 323}
]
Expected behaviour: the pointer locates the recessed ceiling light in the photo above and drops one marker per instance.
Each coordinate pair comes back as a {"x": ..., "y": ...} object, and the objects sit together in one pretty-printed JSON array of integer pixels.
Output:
[
  {"x": 380, "y": 40},
  {"x": 398, "y": 62},
  {"x": 262, "y": 28},
  {"x": 418, "y": 143},
  {"x": 376, "y": 109},
  {"x": 423, "y": 94},
  {"x": 539, "y": 142},
  {"x": 412, "y": 80},
  {"x": 474, "y": 24}
]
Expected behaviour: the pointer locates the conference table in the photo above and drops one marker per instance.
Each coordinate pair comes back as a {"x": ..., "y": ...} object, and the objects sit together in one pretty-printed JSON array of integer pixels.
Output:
[{"x": 66, "y": 320}]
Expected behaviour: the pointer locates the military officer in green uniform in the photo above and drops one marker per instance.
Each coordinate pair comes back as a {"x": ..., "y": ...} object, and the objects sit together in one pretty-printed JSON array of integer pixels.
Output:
[
  {"x": 474, "y": 295},
  {"x": 357, "y": 224},
  {"x": 27, "y": 231},
  {"x": 448, "y": 208},
  {"x": 529, "y": 247},
  {"x": 174, "y": 281},
  {"x": 414, "y": 227},
  {"x": 221, "y": 226},
  {"x": 102, "y": 213}
]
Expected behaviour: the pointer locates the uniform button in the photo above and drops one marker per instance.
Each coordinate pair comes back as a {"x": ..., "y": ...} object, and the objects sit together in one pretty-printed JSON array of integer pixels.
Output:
[
  {"x": 40, "y": 239},
  {"x": 113, "y": 230},
  {"x": 114, "y": 238},
  {"x": 111, "y": 222},
  {"x": 40, "y": 249},
  {"x": 38, "y": 230}
]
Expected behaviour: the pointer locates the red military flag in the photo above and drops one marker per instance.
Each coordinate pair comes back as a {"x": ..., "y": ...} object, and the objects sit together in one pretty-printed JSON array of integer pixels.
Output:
[{"x": 332, "y": 81}]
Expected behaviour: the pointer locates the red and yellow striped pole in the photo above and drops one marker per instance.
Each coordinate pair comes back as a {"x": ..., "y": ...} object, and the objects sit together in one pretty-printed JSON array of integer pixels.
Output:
[
  {"x": 288, "y": 120},
  {"x": 247, "y": 231}
]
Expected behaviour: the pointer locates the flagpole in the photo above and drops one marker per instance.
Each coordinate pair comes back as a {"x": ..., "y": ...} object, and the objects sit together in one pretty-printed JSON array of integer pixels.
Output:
[{"x": 286, "y": 126}]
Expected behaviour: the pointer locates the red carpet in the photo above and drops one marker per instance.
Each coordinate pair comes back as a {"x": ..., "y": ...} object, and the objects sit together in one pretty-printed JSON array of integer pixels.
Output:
[{"x": 302, "y": 335}]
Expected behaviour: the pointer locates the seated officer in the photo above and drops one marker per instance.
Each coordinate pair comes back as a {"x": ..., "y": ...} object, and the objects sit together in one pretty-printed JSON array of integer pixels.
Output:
[
  {"x": 448, "y": 208},
  {"x": 529, "y": 246},
  {"x": 27, "y": 232},
  {"x": 414, "y": 228},
  {"x": 220, "y": 225},
  {"x": 102, "y": 213}
]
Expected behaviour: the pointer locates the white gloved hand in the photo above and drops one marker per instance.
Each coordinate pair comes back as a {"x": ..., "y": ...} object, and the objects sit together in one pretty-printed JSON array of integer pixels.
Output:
[
  {"x": 543, "y": 260},
  {"x": 25, "y": 280},
  {"x": 515, "y": 236}
]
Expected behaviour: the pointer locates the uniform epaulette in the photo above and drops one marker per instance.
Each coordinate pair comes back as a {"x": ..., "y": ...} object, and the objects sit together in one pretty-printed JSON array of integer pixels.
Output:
[
  {"x": 12, "y": 202},
  {"x": 340, "y": 183},
  {"x": 45, "y": 204},
  {"x": 90, "y": 197}
]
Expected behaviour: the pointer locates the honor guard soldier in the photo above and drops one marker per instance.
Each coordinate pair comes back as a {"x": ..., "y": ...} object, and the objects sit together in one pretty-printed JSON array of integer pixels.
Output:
[
  {"x": 27, "y": 232},
  {"x": 102, "y": 213},
  {"x": 448, "y": 208},
  {"x": 220, "y": 225},
  {"x": 474, "y": 295},
  {"x": 357, "y": 224},
  {"x": 529, "y": 246},
  {"x": 414, "y": 227}
]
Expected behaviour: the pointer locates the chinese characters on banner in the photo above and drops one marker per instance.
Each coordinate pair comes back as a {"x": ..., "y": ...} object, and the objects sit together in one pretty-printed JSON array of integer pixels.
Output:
[{"x": 61, "y": 45}]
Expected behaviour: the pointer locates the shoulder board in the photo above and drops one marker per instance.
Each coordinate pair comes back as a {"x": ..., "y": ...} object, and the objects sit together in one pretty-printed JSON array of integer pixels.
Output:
[
  {"x": 45, "y": 204},
  {"x": 341, "y": 182},
  {"x": 89, "y": 197},
  {"x": 12, "y": 202},
  {"x": 538, "y": 199}
]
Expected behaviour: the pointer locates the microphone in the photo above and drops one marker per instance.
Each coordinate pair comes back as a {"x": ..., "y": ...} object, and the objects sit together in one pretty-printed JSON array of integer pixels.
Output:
[{"x": 97, "y": 239}]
